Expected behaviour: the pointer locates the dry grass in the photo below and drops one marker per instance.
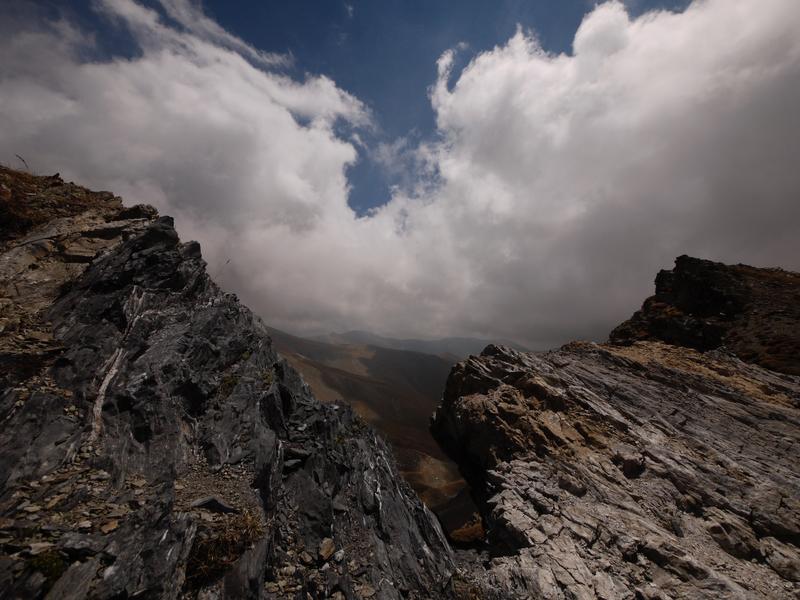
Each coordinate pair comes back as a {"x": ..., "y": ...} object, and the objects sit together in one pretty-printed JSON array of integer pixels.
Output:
[
  {"x": 212, "y": 556},
  {"x": 50, "y": 564},
  {"x": 28, "y": 200}
]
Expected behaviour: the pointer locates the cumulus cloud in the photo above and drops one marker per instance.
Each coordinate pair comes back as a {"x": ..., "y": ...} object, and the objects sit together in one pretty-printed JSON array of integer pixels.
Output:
[{"x": 555, "y": 188}]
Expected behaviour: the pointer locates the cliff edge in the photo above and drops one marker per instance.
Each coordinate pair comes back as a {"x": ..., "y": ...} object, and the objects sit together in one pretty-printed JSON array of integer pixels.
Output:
[
  {"x": 753, "y": 313},
  {"x": 154, "y": 445}
]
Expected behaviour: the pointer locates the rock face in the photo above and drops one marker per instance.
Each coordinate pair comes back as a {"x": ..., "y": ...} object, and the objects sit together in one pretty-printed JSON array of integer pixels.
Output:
[
  {"x": 153, "y": 444},
  {"x": 754, "y": 313},
  {"x": 643, "y": 470}
]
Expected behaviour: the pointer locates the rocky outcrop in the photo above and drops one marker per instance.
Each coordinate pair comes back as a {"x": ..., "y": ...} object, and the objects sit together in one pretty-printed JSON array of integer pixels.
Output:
[
  {"x": 754, "y": 313},
  {"x": 637, "y": 470},
  {"x": 153, "y": 444}
]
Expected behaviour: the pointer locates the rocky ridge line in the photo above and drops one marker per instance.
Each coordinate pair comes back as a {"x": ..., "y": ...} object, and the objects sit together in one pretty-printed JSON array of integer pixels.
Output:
[
  {"x": 753, "y": 313},
  {"x": 640, "y": 470},
  {"x": 153, "y": 444}
]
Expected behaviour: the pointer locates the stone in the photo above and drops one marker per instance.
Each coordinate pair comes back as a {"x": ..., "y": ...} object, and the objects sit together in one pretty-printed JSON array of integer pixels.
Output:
[
  {"x": 662, "y": 464},
  {"x": 39, "y": 547},
  {"x": 213, "y": 504},
  {"x": 109, "y": 526},
  {"x": 733, "y": 534},
  {"x": 326, "y": 549},
  {"x": 53, "y": 502},
  {"x": 705, "y": 305},
  {"x": 686, "y": 489},
  {"x": 783, "y": 558}
]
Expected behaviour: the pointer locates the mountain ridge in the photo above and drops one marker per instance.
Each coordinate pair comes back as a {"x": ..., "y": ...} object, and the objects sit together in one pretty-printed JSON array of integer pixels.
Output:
[
  {"x": 641, "y": 468},
  {"x": 449, "y": 347},
  {"x": 154, "y": 443}
]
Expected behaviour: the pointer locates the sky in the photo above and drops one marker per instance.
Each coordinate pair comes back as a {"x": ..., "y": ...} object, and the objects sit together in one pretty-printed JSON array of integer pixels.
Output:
[{"x": 507, "y": 169}]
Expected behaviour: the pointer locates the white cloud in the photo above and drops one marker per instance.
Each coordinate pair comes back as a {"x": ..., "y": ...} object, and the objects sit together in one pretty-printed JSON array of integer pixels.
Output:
[
  {"x": 555, "y": 188},
  {"x": 195, "y": 21}
]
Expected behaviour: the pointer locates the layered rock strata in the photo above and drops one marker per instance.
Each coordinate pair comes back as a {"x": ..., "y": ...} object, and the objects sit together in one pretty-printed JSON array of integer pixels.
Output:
[
  {"x": 643, "y": 470},
  {"x": 154, "y": 445}
]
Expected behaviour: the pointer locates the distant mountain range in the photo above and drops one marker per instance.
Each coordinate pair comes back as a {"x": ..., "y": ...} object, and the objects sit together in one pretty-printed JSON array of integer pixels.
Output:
[{"x": 450, "y": 348}]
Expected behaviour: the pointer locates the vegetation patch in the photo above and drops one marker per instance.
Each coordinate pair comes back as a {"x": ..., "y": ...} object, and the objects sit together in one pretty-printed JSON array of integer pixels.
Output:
[
  {"x": 216, "y": 550},
  {"x": 50, "y": 564},
  {"x": 228, "y": 383}
]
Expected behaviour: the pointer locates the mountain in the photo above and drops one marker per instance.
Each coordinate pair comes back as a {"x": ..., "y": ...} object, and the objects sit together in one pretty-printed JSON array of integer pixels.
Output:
[
  {"x": 396, "y": 391},
  {"x": 452, "y": 348},
  {"x": 154, "y": 444},
  {"x": 663, "y": 465}
]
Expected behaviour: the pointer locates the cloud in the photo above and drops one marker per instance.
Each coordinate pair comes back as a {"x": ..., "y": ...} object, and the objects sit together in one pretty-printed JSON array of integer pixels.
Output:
[
  {"x": 195, "y": 21},
  {"x": 555, "y": 187}
]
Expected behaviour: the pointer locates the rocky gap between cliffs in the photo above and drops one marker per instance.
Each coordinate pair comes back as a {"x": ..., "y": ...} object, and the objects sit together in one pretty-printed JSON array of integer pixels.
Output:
[{"x": 155, "y": 444}]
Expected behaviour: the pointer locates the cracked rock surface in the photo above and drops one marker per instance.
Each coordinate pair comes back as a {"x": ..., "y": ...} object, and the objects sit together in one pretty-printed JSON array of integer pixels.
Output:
[
  {"x": 153, "y": 444},
  {"x": 644, "y": 470}
]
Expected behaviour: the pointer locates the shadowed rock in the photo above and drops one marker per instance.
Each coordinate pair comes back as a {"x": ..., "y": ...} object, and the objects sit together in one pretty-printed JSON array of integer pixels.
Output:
[
  {"x": 147, "y": 387},
  {"x": 754, "y": 313}
]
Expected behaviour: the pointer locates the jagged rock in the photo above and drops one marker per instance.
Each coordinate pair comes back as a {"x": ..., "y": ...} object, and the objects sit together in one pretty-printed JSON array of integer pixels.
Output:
[
  {"x": 642, "y": 470},
  {"x": 130, "y": 384},
  {"x": 785, "y": 559},
  {"x": 754, "y": 313}
]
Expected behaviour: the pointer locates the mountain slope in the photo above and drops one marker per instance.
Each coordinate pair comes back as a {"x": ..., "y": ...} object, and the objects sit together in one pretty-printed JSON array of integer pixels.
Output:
[
  {"x": 155, "y": 445},
  {"x": 453, "y": 348},
  {"x": 643, "y": 470}
]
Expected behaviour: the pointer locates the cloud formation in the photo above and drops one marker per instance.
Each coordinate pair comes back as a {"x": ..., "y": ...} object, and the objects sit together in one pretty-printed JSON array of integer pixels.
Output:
[{"x": 556, "y": 187}]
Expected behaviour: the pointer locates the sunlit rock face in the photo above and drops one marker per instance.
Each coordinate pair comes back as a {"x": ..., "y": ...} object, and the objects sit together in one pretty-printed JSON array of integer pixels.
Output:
[{"x": 643, "y": 469}]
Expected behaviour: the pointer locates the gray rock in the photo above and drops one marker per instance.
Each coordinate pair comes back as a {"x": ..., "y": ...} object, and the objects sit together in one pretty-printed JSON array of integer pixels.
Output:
[
  {"x": 213, "y": 504},
  {"x": 155, "y": 376},
  {"x": 654, "y": 475}
]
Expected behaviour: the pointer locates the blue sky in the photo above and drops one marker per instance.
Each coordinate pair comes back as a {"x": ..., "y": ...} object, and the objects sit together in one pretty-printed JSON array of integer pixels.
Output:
[{"x": 383, "y": 52}]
